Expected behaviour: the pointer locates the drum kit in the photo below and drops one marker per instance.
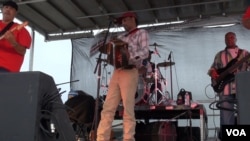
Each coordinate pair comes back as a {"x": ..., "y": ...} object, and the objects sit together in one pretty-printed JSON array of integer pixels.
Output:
[{"x": 150, "y": 84}]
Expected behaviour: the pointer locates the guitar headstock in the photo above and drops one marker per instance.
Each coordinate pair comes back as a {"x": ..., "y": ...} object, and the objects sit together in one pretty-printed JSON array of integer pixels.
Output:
[{"x": 22, "y": 25}]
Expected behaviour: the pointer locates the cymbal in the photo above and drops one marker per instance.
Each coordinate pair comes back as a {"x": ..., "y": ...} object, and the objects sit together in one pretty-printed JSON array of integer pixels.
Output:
[
  {"x": 155, "y": 44},
  {"x": 165, "y": 64}
]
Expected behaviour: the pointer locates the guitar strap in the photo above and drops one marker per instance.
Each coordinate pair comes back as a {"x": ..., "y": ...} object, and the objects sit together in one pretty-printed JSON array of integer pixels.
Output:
[
  {"x": 7, "y": 27},
  {"x": 238, "y": 55},
  {"x": 131, "y": 32}
]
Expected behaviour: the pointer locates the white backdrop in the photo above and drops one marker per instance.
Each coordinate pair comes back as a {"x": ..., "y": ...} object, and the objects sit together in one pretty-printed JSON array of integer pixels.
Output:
[{"x": 193, "y": 52}]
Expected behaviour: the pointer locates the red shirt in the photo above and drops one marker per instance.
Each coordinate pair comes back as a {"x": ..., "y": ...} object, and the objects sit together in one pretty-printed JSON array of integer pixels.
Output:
[
  {"x": 9, "y": 58},
  {"x": 247, "y": 13}
]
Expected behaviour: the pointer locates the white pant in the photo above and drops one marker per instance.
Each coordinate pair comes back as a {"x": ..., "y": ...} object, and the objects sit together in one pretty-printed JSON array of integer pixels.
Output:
[{"x": 123, "y": 86}]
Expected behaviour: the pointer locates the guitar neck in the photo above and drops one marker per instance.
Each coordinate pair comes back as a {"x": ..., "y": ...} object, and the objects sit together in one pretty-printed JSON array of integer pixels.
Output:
[
  {"x": 233, "y": 67},
  {"x": 13, "y": 29},
  {"x": 18, "y": 27}
]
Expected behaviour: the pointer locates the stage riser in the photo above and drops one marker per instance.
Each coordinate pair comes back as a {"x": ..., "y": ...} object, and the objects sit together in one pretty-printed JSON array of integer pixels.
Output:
[
  {"x": 166, "y": 131},
  {"x": 156, "y": 131},
  {"x": 184, "y": 134}
]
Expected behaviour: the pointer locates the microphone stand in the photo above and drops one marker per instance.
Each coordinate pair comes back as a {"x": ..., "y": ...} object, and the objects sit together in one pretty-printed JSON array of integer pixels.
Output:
[
  {"x": 156, "y": 51},
  {"x": 98, "y": 66},
  {"x": 171, "y": 80},
  {"x": 67, "y": 82}
]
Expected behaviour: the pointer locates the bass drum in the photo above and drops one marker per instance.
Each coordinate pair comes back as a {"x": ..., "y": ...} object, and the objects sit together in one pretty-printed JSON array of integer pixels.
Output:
[{"x": 141, "y": 91}]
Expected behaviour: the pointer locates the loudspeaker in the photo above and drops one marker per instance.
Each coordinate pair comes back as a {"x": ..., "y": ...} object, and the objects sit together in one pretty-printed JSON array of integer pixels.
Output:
[
  {"x": 31, "y": 109},
  {"x": 243, "y": 97}
]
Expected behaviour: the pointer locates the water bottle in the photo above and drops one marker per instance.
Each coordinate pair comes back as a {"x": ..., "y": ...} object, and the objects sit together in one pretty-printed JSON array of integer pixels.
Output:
[
  {"x": 179, "y": 100},
  {"x": 187, "y": 99},
  {"x": 72, "y": 93}
]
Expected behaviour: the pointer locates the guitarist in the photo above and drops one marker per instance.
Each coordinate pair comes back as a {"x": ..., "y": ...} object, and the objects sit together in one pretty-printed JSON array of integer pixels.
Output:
[
  {"x": 13, "y": 41},
  {"x": 221, "y": 61}
]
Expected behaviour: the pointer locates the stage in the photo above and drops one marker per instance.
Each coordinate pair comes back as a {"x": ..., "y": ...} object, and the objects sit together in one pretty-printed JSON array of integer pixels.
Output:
[{"x": 170, "y": 113}]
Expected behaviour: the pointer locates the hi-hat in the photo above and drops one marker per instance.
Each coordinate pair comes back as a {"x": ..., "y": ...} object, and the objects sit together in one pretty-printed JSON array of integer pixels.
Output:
[
  {"x": 155, "y": 45},
  {"x": 165, "y": 64}
]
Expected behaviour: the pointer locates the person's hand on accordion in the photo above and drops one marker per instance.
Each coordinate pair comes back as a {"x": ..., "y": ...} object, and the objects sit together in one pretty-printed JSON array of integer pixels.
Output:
[{"x": 119, "y": 58}]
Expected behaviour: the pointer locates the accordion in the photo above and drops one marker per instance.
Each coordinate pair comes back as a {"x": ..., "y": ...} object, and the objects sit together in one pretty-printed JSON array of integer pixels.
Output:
[{"x": 117, "y": 53}]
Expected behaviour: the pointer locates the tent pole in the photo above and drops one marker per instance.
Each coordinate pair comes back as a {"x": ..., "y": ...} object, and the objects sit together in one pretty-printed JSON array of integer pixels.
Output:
[{"x": 31, "y": 60}]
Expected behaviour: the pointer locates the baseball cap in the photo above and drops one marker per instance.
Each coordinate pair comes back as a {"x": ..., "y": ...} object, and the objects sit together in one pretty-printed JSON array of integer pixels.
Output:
[
  {"x": 11, "y": 3},
  {"x": 126, "y": 14}
]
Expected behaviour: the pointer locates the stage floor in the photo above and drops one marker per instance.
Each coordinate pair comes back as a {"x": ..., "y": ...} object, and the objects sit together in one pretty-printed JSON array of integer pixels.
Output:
[{"x": 118, "y": 137}]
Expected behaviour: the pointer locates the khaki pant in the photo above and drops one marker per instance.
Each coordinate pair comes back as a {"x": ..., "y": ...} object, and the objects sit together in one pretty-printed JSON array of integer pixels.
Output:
[{"x": 123, "y": 86}]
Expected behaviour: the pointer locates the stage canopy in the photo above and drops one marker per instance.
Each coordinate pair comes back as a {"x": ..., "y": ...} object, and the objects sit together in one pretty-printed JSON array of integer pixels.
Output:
[{"x": 67, "y": 19}]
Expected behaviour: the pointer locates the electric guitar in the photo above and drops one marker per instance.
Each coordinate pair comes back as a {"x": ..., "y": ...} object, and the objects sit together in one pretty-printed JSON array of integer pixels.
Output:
[
  {"x": 226, "y": 74},
  {"x": 18, "y": 27}
]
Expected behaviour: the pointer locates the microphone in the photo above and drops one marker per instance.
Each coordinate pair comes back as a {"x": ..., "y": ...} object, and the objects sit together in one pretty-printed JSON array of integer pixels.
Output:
[
  {"x": 157, "y": 52},
  {"x": 115, "y": 20},
  {"x": 169, "y": 56}
]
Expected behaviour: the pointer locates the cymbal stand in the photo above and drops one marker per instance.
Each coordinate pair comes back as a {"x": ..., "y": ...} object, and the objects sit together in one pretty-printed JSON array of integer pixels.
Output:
[
  {"x": 164, "y": 97},
  {"x": 156, "y": 89},
  {"x": 156, "y": 86},
  {"x": 104, "y": 79},
  {"x": 67, "y": 82},
  {"x": 171, "y": 82},
  {"x": 165, "y": 85}
]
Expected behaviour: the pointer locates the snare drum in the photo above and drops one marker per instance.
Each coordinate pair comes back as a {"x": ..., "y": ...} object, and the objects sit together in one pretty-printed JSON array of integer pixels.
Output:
[{"x": 149, "y": 78}]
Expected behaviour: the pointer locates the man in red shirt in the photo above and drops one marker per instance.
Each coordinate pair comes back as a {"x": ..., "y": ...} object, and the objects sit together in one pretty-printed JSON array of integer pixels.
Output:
[
  {"x": 246, "y": 16},
  {"x": 14, "y": 41}
]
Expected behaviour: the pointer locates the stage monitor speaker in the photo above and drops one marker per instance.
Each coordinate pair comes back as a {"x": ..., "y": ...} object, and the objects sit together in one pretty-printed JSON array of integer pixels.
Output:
[
  {"x": 243, "y": 97},
  {"x": 31, "y": 109}
]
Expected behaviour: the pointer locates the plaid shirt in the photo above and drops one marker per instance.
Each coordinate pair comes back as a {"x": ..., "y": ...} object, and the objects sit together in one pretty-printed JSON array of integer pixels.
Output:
[{"x": 137, "y": 46}]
